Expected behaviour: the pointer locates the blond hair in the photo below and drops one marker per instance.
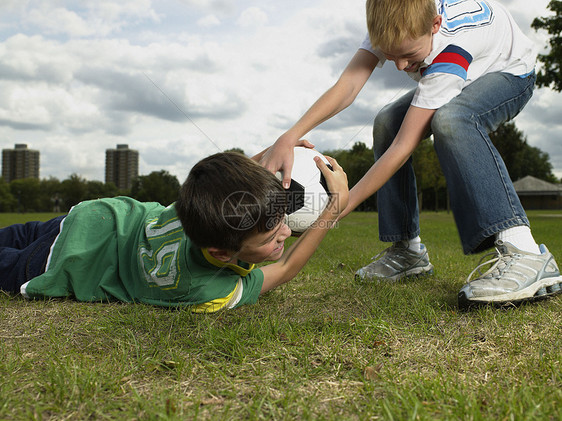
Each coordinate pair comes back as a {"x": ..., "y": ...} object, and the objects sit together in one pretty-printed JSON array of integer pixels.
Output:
[{"x": 390, "y": 22}]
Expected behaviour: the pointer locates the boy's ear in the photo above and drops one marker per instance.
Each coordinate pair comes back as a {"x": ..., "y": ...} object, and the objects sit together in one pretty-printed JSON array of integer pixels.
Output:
[
  {"x": 220, "y": 254},
  {"x": 437, "y": 21}
]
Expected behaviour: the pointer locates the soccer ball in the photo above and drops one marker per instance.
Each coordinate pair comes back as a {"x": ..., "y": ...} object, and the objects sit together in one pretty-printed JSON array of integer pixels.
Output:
[{"x": 308, "y": 193}]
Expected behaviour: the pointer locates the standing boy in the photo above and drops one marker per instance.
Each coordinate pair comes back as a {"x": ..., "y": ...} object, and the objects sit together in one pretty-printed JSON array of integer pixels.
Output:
[{"x": 475, "y": 70}]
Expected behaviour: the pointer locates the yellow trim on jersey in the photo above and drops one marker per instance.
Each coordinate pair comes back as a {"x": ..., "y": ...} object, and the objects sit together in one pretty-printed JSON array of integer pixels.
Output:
[
  {"x": 215, "y": 262},
  {"x": 219, "y": 303}
]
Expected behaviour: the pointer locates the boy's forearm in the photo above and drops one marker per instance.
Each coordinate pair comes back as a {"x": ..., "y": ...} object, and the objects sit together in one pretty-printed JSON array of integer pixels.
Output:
[
  {"x": 413, "y": 128},
  {"x": 301, "y": 250},
  {"x": 375, "y": 178}
]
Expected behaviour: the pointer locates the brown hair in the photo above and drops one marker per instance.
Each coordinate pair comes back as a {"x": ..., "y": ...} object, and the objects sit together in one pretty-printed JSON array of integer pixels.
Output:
[
  {"x": 226, "y": 198},
  {"x": 390, "y": 22}
]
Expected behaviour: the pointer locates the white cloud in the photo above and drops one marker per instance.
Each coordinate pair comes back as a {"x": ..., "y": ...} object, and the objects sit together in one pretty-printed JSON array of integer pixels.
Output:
[
  {"x": 91, "y": 18},
  {"x": 35, "y": 59},
  {"x": 252, "y": 17},
  {"x": 209, "y": 21},
  {"x": 59, "y": 21},
  {"x": 180, "y": 79},
  {"x": 124, "y": 10}
]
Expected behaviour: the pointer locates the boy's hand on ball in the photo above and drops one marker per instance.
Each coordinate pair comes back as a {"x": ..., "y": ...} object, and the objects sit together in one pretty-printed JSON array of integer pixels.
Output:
[
  {"x": 280, "y": 156},
  {"x": 336, "y": 178}
]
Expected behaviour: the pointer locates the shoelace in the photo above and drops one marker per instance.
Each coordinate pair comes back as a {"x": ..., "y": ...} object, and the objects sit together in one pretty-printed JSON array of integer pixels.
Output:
[
  {"x": 501, "y": 262},
  {"x": 384, "y": 252}
]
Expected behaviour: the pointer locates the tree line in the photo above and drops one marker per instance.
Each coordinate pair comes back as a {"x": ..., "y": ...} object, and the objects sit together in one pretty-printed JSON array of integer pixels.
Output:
[
  {"x": 52, "y": 195},
  {"x": 521, "y": 159}
]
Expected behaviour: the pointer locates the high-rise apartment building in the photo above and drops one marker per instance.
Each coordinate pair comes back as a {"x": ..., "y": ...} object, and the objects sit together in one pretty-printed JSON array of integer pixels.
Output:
[
  {"x": 20, "y": 162},
  {"x": 121, "y": 166}
]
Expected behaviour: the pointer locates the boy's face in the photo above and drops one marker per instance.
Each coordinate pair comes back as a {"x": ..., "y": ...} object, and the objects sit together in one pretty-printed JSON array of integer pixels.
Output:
[
  {"x": 265, "y": 246},
  {"x": 410, "y": 54}
]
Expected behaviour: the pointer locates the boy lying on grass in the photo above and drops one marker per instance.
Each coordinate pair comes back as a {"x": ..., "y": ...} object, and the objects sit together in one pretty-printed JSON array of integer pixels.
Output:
[{"x": 199, "y": 252}]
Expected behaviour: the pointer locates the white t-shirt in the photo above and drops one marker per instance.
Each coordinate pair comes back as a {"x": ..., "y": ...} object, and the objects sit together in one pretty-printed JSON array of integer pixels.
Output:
[{"x": 476, "y": 37}]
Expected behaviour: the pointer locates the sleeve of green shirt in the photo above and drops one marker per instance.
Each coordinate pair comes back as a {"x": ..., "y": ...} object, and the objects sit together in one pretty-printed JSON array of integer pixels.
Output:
[{"x": 246, "y": 291}]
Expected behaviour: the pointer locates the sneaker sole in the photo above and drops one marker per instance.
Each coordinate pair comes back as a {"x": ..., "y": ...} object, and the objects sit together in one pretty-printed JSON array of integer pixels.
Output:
[
  {"x": 412, "y": 273},
  {"x": 548, "y": 288}
]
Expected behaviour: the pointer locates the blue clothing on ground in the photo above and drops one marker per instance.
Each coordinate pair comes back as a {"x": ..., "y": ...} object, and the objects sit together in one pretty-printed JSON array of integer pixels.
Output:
[{"x": 24, "y": 249}]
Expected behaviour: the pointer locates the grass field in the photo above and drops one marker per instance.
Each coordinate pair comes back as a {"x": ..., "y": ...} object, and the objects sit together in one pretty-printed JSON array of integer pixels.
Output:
[{"x": 320, "y": 347}]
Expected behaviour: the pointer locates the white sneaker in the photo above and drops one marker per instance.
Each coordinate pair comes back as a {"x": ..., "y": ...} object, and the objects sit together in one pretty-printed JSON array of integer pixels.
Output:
[
  {"x": 397, "y": 261},
  {"x": 514, "y": 276}
]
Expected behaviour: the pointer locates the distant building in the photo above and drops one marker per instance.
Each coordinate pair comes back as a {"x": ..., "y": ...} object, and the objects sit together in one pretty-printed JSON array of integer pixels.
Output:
[
  {"x": 538, "y": 194},
  {"x": 121, "y": 166},
  {"x": 20, "y": 162}
]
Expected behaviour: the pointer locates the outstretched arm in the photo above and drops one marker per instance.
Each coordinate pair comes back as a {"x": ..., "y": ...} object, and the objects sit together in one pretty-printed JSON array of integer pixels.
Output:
[
  {"x": 280, "y": 155},
  {"x": 298, "y": 254},
  {"x": 304, "y": 143},
  {"x": 414, "y": 127}
]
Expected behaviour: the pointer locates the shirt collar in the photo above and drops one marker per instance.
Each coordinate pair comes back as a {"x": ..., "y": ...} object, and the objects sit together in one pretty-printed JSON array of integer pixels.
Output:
[{"x": 236, "y": 268}]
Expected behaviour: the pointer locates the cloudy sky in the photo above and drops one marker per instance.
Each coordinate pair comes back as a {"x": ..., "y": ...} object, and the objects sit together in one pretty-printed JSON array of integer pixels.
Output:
[{"x": 181, "y": 79}]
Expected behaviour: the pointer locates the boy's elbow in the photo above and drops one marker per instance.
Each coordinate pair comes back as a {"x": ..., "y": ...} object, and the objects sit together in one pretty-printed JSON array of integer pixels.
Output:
[{"x": 275, "y": 275}]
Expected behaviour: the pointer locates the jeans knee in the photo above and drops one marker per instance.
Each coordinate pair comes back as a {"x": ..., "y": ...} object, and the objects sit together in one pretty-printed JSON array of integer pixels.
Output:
[
  {"x": 450, "y": 122},
  {"x": 384, "y": 130},
  {"x": 444, "y": 124}
]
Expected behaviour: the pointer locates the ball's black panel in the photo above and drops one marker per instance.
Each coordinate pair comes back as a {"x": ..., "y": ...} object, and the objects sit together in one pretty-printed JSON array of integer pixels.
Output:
[
  {"x": 323, "y": 181},
  {"x": 295, "y": 197}
]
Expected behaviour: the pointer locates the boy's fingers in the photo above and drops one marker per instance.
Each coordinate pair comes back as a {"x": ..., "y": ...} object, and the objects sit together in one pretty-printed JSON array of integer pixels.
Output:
[
  {"x": 322, "y": 165},
  {"x": 319, "y": 163},
  {"x": 333, "y": 162},
  {"x": 305, "y": 143},
  {"x": 287, "y": 175}
]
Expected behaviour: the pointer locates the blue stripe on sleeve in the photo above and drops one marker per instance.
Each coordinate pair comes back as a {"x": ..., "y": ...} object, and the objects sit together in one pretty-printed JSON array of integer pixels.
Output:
[{"x": 450, "y": 68}]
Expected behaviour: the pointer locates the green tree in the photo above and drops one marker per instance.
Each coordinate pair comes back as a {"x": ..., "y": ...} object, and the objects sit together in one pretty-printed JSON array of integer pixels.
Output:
[
  {"x": 429, "y": 176},
  {"x": 356, "y": 162},
  {"x": 50, "y": 196},
  {"x": 520, "y": 158},
  {"x": 239, "y": 150},
  {"x": 96, "y": 190},
  {"x": 26, "y": 191},
  {"x": 551, "y": 74},
  {"x": 158, "y": 186},
  {"x": 73, "y": 191},
  {"x": 7, "y": 200}
]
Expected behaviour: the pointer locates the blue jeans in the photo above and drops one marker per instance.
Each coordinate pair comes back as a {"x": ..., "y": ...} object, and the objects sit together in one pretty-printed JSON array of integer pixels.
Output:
[
  {"x": 482, "y": 196},
  {"x": 24, "y": 249}
]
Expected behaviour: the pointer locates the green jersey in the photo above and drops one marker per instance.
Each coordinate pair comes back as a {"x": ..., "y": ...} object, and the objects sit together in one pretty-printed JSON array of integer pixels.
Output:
[{"x": 120, "y": 249}]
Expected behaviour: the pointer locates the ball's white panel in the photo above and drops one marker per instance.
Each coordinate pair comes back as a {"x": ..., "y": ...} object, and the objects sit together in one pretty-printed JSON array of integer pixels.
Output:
[{"x": 306, "y": 173}]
